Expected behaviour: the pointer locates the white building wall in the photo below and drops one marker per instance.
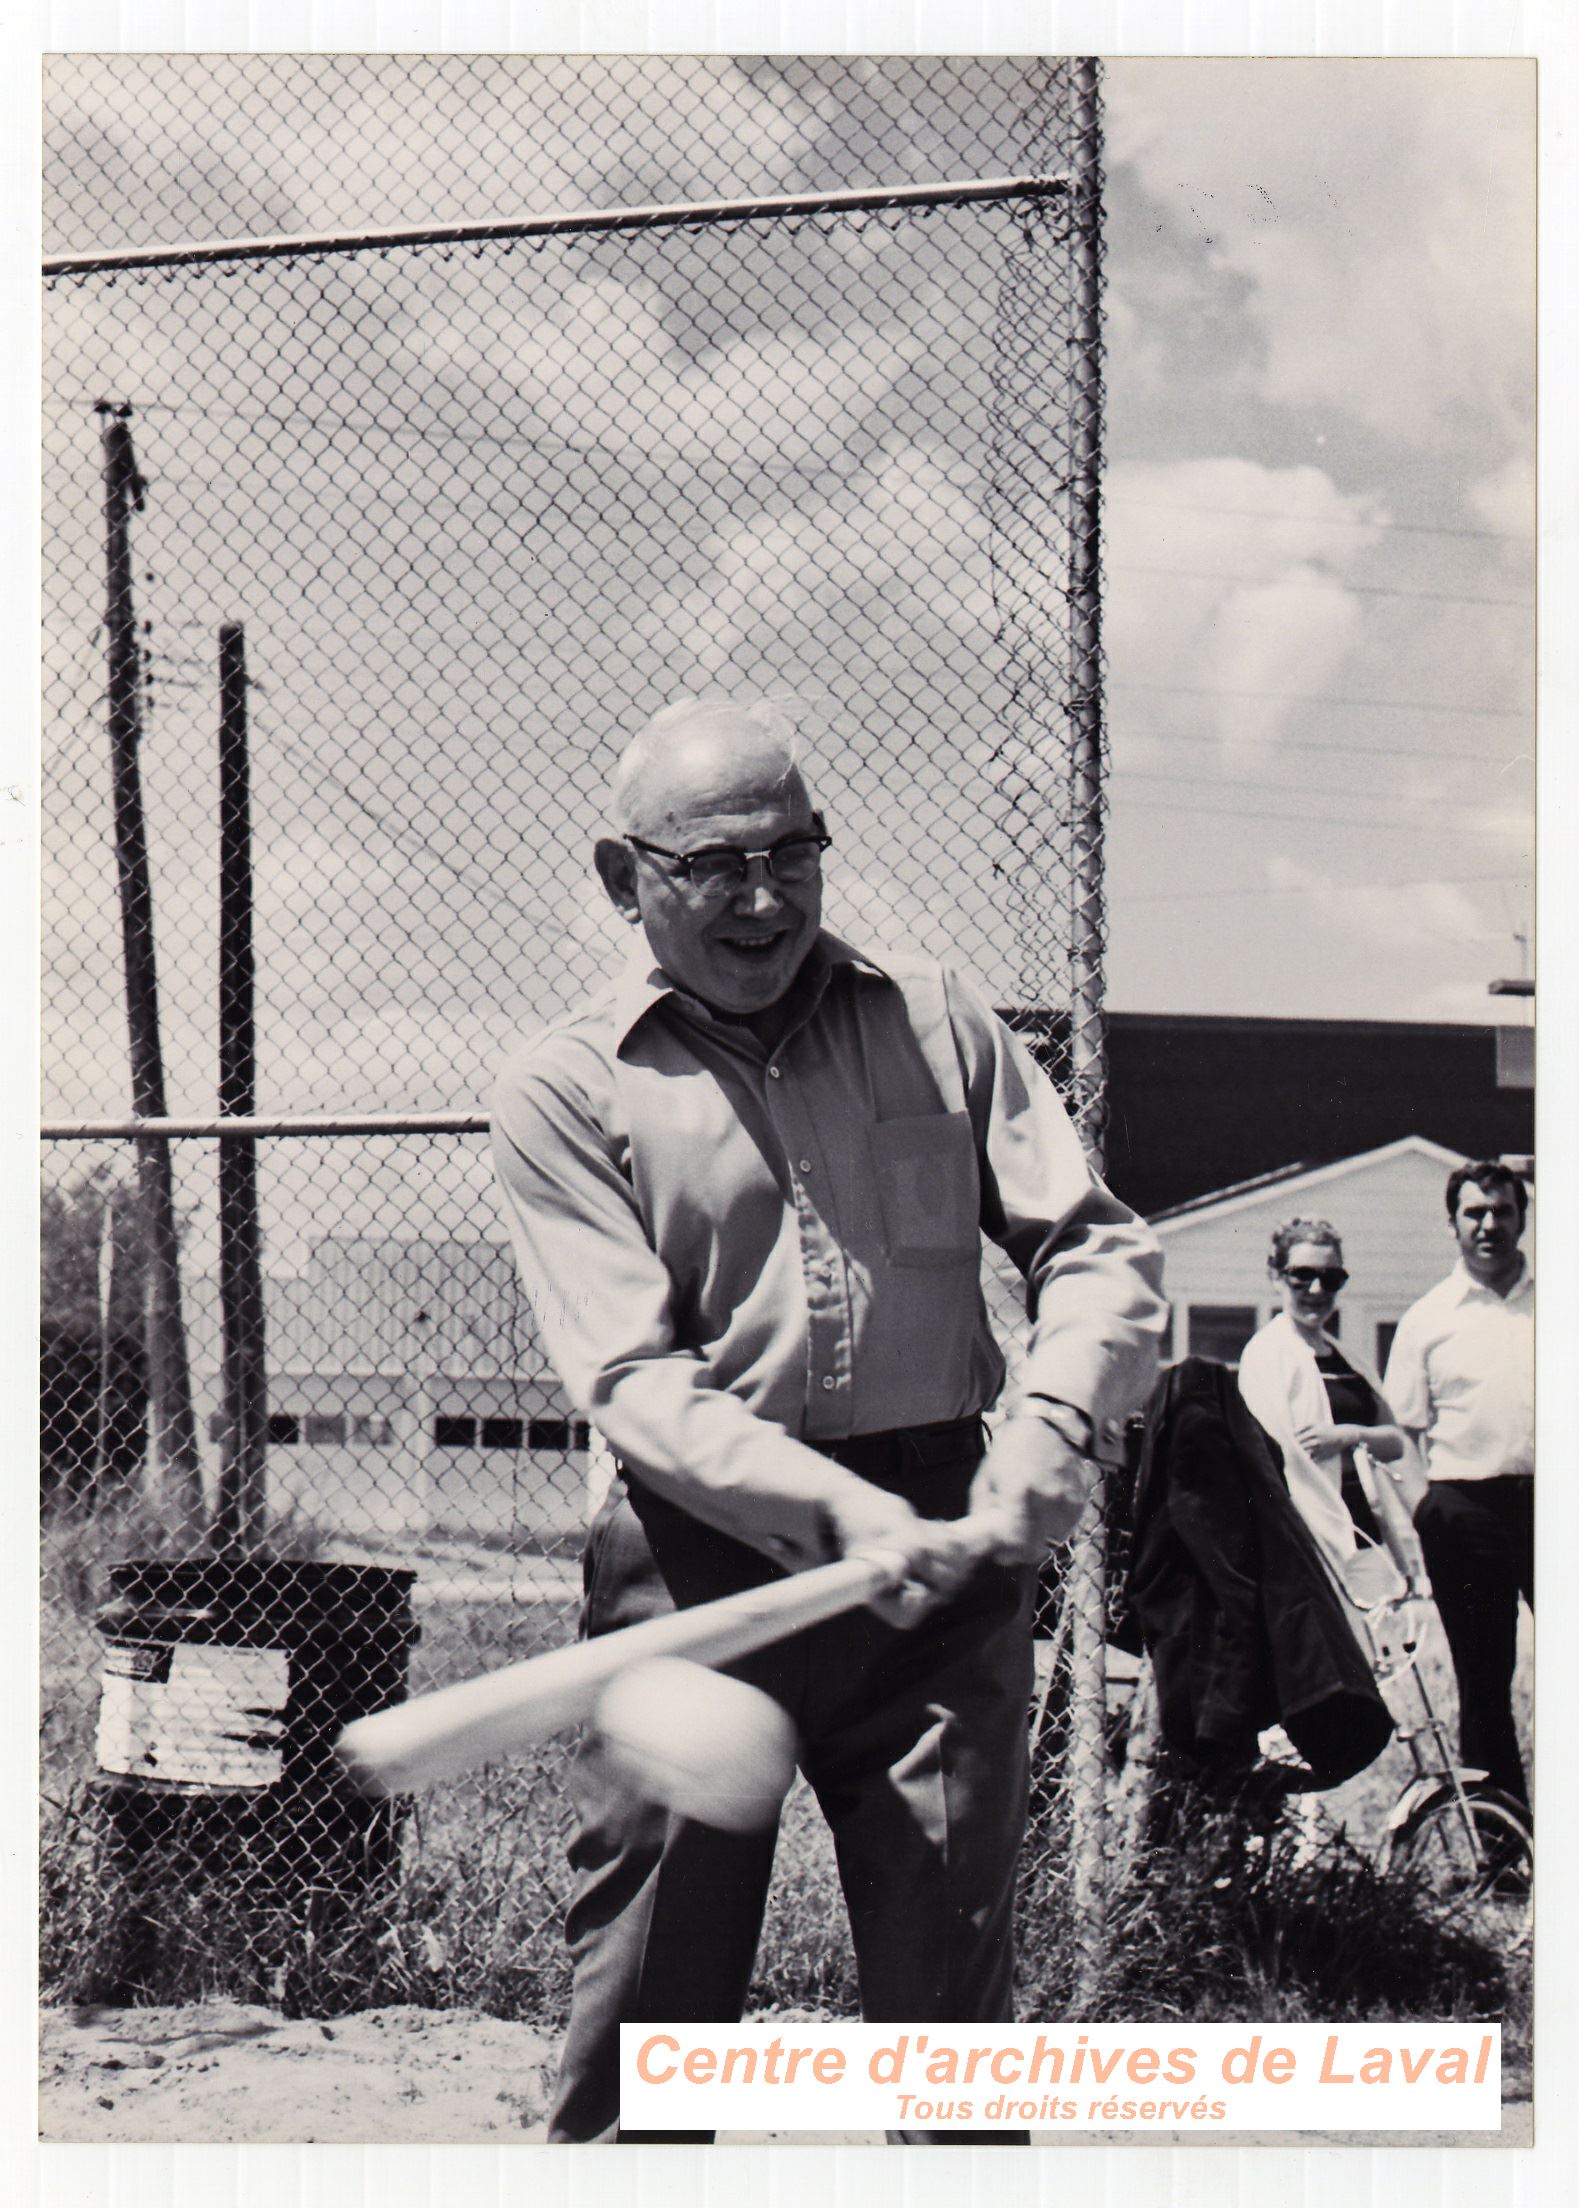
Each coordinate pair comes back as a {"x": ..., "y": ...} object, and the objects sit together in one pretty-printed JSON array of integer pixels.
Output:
[{"x": 1387, "y": 1207}]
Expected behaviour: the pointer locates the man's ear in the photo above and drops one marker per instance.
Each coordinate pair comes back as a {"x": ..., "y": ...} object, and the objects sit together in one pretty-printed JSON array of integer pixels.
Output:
[{"x": 616, "y": 865}]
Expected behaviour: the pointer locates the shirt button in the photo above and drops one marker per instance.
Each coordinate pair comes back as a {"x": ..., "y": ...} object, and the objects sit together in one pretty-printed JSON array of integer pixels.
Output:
[
  {"x": 828, "y": 1380},
  {"x": 773, "y": 1073},
  {"x": 805, "y": 1165}
]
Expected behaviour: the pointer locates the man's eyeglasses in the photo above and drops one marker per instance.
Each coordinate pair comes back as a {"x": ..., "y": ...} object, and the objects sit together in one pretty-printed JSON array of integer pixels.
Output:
[
  {"x": 720, "y": 871},
  {"x": 1329, "y": 1277}
]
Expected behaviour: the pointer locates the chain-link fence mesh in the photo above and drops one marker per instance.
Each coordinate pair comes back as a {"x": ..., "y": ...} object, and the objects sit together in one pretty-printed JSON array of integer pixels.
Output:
[{"x": 457, "y": 516}]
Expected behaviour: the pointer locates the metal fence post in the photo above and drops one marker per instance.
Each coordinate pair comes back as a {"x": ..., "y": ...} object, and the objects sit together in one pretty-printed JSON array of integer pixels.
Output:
[{"x": 1084, "y": 1586}]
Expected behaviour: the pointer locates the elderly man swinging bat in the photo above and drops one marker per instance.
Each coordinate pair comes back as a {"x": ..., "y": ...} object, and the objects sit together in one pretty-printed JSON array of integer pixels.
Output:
[{"x": 748, "y": 1183}]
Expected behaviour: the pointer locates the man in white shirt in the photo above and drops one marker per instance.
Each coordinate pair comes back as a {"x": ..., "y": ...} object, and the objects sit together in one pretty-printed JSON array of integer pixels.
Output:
[{"x": 1461, "y": 1382}]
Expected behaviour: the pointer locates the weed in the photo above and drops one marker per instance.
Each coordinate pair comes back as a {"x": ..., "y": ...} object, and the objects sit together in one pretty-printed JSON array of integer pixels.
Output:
[{"x": 1234, "y": 1919}]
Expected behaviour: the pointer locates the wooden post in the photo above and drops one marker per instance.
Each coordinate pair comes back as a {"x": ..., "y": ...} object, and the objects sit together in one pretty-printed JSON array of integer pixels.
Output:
[
  {"x": 169, "y": 1382},
  {"x": 240, "y": 1518}
]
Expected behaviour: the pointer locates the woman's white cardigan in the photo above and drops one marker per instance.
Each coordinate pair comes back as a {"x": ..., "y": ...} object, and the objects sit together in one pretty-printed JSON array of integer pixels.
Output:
[{"x": 1284, "y": 1391}]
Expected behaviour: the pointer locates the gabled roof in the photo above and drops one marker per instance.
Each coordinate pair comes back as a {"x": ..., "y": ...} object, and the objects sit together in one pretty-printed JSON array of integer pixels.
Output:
[{"x": 1243, "y": 1195}]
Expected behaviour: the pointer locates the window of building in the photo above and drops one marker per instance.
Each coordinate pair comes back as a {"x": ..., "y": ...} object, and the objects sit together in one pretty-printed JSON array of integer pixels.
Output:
[
  {"x": 1221, "y": 1330},
  {"x": 1385, "y": 1330},
  {"x": 454, "y": 1433},
  {"x": 371, "y": 1431},
  {"x": 324, "y": 1429},
  {"x": 1166, "y": 1350},
  {"x": 549, "y": 1433},
  {"x": 502, "y": 1433},
  {"x": 285, "y": 1429},
  {"x": 580, "y": 1434}
]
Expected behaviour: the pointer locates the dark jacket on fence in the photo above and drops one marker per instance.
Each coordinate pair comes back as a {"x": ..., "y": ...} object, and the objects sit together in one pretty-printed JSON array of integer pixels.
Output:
[{"x": 1241, "y": 1622}]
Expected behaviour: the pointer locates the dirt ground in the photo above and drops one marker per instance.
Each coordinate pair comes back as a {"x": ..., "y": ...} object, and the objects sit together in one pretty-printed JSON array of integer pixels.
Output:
[
  {"x": 220, "y": 2070},
  {"x": 223, "y": 2070}
]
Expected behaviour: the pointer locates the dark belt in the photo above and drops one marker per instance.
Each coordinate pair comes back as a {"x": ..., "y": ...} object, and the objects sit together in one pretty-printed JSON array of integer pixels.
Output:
[
  {"x": 931, "y": 1466},
  {"x": 891, "y": 1459}
]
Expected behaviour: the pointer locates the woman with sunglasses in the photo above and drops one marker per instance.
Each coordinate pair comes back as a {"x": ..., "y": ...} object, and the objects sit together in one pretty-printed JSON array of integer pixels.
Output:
[{"x": 1318, "y": 1402}]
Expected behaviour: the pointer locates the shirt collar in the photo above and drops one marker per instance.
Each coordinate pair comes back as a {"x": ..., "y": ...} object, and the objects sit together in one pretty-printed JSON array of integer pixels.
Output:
[
  {"x": 1466, "y": 1285},
  {"x": 643, "y": 983}
]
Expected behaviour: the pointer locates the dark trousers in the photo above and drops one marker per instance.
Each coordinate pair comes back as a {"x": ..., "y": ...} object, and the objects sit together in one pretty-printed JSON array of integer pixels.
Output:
[
  {"x": 1479, "y": 1542},
  {"x": 914, "y": 1743}
]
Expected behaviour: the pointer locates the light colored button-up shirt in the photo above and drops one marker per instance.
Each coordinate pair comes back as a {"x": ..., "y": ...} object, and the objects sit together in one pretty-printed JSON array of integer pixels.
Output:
[
  {"x": 1462, "y": 1374},
  {"x": 732, "y": 1251}
]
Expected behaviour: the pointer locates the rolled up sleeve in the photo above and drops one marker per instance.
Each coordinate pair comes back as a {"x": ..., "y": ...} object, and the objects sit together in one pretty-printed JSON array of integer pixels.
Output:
[
  {"x": 603, "y": 1300},
  {"x": 1092, "y": 1268}
]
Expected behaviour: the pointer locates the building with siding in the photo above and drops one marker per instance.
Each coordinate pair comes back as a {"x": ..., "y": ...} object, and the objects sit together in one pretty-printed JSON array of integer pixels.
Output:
[
  {"x": 407, "y": 1391},
  {"x": 1387, "y": 1205},
  {"x": 1197, "y": 1103}
]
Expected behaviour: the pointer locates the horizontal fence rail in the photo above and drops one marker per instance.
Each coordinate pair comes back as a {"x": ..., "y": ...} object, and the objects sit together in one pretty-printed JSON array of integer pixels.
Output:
[
  {"x": 254, "y": 1127},
  {"x": 568, "y": 224}
]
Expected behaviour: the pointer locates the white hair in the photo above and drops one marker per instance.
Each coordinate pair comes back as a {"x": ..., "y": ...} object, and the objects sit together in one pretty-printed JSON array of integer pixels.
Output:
[{"x": 765, "y": 717}]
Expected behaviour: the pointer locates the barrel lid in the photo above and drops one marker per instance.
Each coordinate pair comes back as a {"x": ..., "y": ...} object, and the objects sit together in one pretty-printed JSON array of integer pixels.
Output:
[{"x": 289, "y": 1597}]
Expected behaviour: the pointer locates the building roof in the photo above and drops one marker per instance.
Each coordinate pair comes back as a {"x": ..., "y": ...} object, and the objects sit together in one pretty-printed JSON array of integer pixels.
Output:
[
  {"x": 1242, "y": 1195},
  {"x": 1198, "y": 1103}
]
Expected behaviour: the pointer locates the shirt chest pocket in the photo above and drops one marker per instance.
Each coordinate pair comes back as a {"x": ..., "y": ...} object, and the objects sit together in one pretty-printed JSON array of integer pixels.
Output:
[{"x": 927, "y": 1186}]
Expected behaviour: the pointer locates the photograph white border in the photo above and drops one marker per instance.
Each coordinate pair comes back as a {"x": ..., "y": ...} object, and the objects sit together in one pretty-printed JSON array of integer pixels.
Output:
[{"x": 84, "y": 2176}]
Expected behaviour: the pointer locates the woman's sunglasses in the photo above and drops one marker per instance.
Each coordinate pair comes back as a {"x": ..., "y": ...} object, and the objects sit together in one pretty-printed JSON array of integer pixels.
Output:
[{"x": 1329, "y": 1277}]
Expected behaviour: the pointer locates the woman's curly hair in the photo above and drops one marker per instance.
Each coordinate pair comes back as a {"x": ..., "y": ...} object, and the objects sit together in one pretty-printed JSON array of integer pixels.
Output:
[{"x": 1294, "y": 1231}]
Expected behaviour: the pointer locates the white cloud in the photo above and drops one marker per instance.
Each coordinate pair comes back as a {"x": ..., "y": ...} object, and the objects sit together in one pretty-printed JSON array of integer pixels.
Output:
[
  {"x": 597, "y": 364},
  {"x": 768, "y": 579},
  {"x": 1382, "y": 214},
  {"x": 1403, "y": 916},
  {"x": 1505, "y": 499},
  {"x": 1279, "y": 638},
  {"x": 1227, "y": 577}
]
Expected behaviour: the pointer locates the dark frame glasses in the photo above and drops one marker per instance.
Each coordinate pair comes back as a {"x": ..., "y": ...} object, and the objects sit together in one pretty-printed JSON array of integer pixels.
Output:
[
  {"x": 720, "y": 870},
  {"x": 1329, "y": 1277}
]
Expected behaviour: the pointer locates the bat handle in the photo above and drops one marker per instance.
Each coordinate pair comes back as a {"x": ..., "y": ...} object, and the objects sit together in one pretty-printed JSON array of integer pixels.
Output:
[{"x": 886, "y": 1567}]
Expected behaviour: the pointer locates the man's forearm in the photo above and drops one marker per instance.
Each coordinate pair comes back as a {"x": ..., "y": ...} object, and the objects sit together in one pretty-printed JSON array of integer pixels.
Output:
[
  {"x": 704, "y": 1450},
  {"x": 1100, "y": 1316},
  {"x": 1408, "y": 1473}
]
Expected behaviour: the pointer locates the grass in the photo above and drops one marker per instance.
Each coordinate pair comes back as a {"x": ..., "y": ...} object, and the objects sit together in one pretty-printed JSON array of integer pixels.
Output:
[
  {"x": 1226, "y": 1922},
  {"x": 1230, "y": 1923},
  {"x": 471, "y": 1920}
]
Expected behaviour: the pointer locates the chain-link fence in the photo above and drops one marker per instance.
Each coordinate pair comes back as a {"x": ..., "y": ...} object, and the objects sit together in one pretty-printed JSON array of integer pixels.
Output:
[{"x": 364, "y": 557}]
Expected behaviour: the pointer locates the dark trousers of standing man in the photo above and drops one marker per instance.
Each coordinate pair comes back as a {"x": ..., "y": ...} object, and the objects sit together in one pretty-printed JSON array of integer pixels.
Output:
[
  {"x": 1478, "y": 1537},
  {"x": 913, "y": 1741}
]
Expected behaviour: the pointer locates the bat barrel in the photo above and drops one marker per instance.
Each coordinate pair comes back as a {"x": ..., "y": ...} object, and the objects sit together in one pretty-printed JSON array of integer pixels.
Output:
[{"x": 438, "y": 1735}]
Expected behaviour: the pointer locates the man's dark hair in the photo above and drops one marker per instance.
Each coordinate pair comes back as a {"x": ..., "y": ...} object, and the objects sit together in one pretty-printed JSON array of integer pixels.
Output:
[{"x": 1489, "y": 1174}]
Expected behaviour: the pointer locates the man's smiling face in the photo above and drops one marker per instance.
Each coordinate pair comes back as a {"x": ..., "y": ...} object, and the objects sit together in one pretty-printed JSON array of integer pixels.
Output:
[{"x": 722, "y": 786}]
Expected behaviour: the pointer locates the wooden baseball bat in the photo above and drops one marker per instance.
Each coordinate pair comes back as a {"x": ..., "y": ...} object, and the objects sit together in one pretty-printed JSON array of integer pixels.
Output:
[{"x": 434, "y": 1736}]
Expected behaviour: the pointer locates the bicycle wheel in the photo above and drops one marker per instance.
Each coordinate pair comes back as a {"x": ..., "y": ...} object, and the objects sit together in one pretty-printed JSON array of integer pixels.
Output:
[{"x": 1481, "y": 1881}]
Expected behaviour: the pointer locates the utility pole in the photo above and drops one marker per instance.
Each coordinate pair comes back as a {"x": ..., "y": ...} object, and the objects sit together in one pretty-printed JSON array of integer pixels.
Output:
[
  {"x": 174, "y": 1435},
  {"x": 241, "y": 1517}
]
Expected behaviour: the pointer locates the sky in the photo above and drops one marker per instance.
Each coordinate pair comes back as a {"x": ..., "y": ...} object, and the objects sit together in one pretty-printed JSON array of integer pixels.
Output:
[
  {"x": 1318, "y": 537},
  {"x": 1319, "y": 534},
  {"x": 1318, "y": 510}
]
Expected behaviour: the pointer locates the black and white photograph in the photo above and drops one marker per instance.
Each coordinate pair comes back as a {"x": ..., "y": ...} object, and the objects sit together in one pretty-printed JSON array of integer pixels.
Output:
[{"x": 788, "y": 1069}]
